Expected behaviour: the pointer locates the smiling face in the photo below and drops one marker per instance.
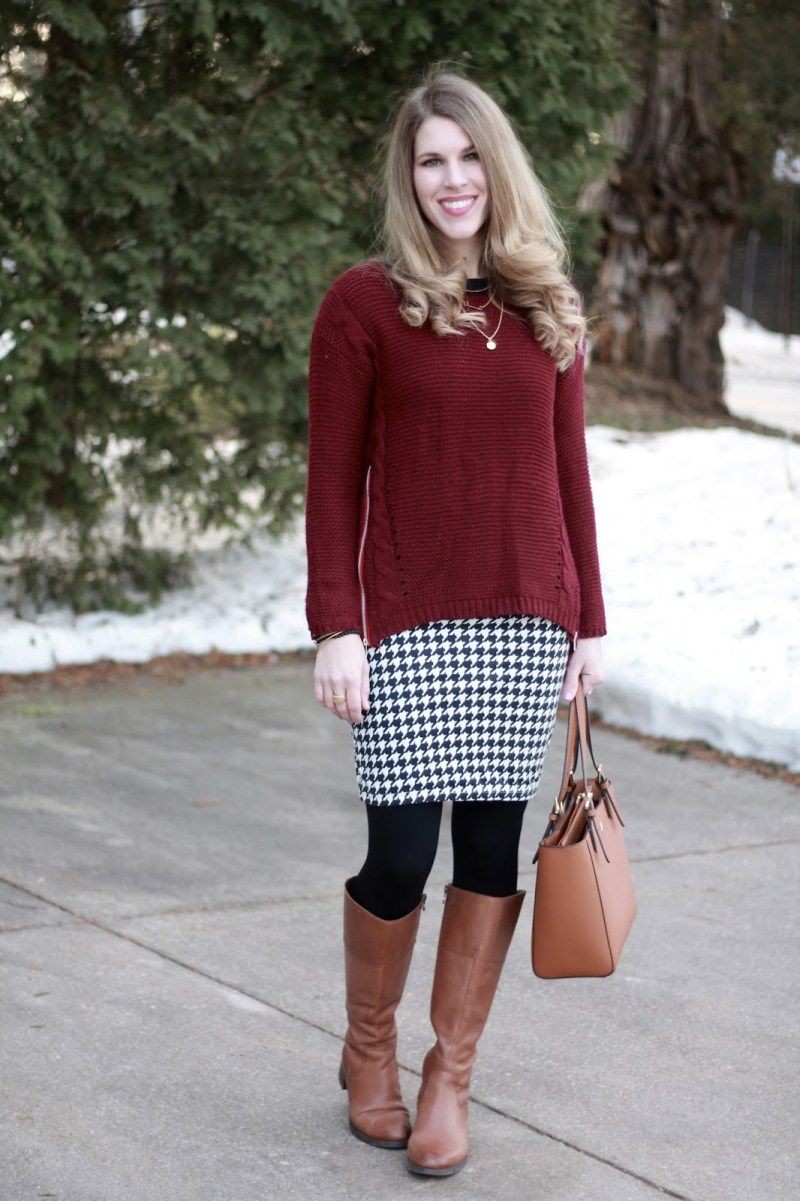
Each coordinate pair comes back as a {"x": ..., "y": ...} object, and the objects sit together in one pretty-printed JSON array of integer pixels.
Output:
[{"x": 451, "y": 187}]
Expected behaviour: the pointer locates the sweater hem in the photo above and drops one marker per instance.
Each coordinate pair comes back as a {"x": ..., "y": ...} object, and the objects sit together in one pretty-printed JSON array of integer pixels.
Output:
[{"x": 381, "y": 624}]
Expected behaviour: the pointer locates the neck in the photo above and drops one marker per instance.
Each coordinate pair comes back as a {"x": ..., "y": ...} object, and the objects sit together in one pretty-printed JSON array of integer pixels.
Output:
[
  {"x": 469, "y": 255},
  {"x": 473, "y": 267}
]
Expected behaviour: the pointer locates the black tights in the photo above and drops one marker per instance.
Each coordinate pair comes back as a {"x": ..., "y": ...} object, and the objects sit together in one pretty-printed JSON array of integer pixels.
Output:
[{"x": 402, "y": 842}]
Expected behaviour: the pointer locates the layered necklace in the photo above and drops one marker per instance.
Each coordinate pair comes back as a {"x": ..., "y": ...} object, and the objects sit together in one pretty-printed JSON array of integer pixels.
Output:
[{"x": 479, "y": 284}]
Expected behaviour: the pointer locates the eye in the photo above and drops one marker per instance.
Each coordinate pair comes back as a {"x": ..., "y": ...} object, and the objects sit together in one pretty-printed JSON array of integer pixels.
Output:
[{"x": 436, "y": 159}]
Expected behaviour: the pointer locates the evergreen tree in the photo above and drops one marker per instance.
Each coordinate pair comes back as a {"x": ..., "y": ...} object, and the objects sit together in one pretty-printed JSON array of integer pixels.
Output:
[{"x": 180, "y": 182}]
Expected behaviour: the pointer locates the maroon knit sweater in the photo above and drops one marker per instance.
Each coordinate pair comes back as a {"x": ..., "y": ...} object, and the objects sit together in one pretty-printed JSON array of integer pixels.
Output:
[{"x": 444, "y": 479}]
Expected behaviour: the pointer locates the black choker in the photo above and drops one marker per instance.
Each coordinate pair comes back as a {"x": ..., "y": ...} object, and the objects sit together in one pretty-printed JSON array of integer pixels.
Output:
[{"x": 477, "y": 283}]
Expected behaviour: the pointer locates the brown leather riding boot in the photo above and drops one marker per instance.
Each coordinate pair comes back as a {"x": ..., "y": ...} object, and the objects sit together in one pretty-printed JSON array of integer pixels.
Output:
[
  {"x": 377, "y": 958},
  {"x": 474, "y": 939}
]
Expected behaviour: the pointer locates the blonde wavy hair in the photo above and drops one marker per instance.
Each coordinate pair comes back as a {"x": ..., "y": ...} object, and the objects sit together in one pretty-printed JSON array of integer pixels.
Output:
[{"x": 524, "y": 249}]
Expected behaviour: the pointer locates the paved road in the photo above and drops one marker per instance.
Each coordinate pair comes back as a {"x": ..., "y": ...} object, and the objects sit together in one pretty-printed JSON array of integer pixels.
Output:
[{"x": 173, "y": 1000}]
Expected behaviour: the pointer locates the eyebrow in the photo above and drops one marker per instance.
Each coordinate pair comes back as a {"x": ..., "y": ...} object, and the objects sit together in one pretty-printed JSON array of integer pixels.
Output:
[{"x": 431, "y": 153}]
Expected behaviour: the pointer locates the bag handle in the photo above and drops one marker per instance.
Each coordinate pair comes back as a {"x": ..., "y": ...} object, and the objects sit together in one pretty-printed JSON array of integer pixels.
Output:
[
  {"x": 588, "y": 731},
  {"x": 582, "y": 720},
  {"x": 582, "y": 709},
  {"x": 578, "y": 737},
  {"x": 579, "y": 744}
]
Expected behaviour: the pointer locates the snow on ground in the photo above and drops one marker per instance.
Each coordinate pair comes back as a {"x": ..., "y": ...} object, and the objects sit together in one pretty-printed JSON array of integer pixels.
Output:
[
  {"x": 699, "y": 543},
  {"x": 700, "y": 557},
  {"x": 240, "y": 600}
]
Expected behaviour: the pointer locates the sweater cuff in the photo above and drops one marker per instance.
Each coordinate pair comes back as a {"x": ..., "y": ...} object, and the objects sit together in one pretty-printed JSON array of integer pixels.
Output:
[
  {"x": 332, "y": 618},
  {"x": 591, "y": 631}
]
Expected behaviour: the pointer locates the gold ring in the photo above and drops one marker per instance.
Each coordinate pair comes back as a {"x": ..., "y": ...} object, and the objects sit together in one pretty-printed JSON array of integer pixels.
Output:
[{"x": 339, "y": 696}]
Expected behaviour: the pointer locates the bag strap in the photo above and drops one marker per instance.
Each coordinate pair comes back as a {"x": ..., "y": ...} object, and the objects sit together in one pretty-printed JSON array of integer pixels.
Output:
[
  {"x": 579, "y": 739},
  {"x": 570, "y": 748},
  {"x": 578, "y": 744},
  {"x": 588, "y": 732},
  {"x": 582, "y": 710}
]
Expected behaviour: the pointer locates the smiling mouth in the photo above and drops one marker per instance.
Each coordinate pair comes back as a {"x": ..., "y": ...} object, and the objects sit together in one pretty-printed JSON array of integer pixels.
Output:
[{"x": 456, "y": 207}]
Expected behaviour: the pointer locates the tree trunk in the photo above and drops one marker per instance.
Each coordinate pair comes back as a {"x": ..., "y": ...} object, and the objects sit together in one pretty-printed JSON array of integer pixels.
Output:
[{"x": 669, "y": 209}]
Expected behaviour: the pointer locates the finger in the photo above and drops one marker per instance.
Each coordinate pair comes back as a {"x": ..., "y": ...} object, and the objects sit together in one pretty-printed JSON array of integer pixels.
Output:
[
  {"x": 355, "y": 716},
  {"x": 336, "y": 706},
  {"x": 589, "y": 681},
  {"x": 365, "y": 686},
  {"x": 570, "y": 684},
  {"x": 348, "y": 708}
]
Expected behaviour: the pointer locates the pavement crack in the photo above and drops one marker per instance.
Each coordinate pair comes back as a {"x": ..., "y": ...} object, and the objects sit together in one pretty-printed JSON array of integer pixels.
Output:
[
  {"x": 308, "y": 1022},
  {"x": 741, "y": 846},
  {"x": 565, "y": 1142},
  {"x": 228, "y": 906},
  {"x": 39, "y": 926}
]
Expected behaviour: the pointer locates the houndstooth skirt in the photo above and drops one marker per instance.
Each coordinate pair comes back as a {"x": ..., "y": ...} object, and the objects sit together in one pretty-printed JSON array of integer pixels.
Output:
[{"x": 460, "y": 709}]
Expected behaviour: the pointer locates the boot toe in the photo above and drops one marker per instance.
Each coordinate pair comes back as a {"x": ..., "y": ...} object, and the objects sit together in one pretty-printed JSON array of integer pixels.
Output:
[
  {"x": 428, "y": 1162},
  {"x": 433, "y": 1156},
  {"x": 382, "y": 1127}
]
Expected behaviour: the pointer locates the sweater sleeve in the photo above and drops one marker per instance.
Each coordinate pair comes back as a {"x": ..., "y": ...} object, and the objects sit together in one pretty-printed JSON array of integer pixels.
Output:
[
  {"x": 576, "y": 493},
  {"x": 340, "y": 383}
]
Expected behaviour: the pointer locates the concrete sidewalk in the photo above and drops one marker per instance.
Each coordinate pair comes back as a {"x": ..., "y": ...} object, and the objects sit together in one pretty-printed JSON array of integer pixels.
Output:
[{"x": 172, "y": 860}]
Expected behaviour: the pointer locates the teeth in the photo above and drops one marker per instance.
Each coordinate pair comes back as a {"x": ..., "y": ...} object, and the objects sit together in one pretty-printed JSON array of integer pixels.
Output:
[{"x": 457, "y": 204}]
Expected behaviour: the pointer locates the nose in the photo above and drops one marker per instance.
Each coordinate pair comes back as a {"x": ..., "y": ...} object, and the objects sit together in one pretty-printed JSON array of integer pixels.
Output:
[{"x": 455, "y": 175}]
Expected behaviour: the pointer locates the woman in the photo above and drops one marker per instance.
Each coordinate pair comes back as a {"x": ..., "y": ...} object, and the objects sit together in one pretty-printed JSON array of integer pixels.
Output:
[{"x": 453, "y": 580}]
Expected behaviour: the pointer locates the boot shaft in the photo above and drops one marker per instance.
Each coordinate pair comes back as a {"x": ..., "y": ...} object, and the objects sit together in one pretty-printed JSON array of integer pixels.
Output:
[
  {"x": 474, "y": 940},
  {"x": 377, "y": 955}
]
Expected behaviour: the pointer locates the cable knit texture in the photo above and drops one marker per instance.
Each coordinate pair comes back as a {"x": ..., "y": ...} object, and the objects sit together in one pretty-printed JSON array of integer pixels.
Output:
[{"x": 444, "y": 479}]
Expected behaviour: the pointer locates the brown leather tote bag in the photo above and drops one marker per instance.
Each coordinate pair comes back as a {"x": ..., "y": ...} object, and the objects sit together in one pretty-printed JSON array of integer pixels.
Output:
[{"x": 584, "y": 903}]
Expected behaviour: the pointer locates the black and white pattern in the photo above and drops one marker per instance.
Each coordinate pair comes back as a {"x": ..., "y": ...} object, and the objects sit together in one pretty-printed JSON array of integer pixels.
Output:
[{"x": 460, "y": 709}]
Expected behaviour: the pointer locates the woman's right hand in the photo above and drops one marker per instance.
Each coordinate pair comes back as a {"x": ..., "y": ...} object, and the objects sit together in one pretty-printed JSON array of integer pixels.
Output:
[{"x": 342, "y": 668}]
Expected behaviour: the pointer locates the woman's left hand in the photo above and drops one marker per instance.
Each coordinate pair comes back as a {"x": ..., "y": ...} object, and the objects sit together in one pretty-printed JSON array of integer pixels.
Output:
[{"x": 586, "y": 662}]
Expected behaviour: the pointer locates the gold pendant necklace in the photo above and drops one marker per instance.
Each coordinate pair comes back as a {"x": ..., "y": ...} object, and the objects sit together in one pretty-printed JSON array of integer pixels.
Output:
[
  {"x": 490, "y": 342},
  {"x": 478, "y": 308}
]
